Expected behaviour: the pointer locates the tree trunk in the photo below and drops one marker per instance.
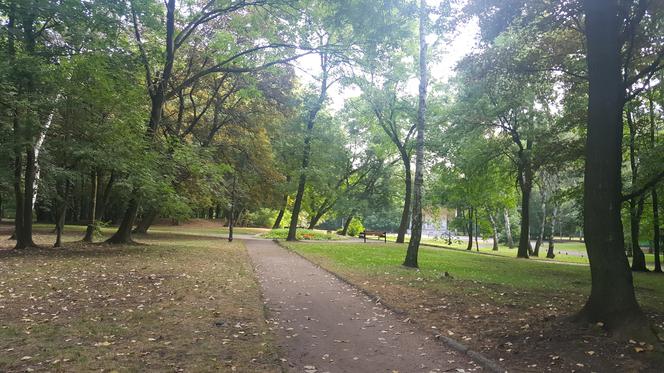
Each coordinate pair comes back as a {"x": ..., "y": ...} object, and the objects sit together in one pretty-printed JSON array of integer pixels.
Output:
[
  {"x": 470, "y": 229},
  {"x": 344, "y": 231},
  {"x": 612, "y": 300},
  {"x": 146, "y": 221},
  {"x": 635, "y": 214},
  {"x": 60, "y": 213},
  {"x": 494, "y": 227},
  {"x": 123, "y": 234},
  {"x": 231, "y": 219},
  {"x": 416, "y": 225},
  {"x": 550, "y": 254},
  {"x": 282, "y": 211},
  {"x": 508, "y": 229},
  {"x": 90, "y": 231},
  {"x": 525, "y": 181},
  {"x": 655, "y": 226},
  {"x": 27, "y": 196},
  {"x": 477, "y": 231},
  {"x": 540, "y": 238},
  {"x": 405, "y": 213},
  {"x": 306, "y": 150},
  {"x": 2, "y": 208}
]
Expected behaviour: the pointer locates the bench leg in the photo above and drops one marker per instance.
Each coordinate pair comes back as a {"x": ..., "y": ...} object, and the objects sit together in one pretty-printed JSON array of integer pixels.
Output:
[{"x": 365, "y": 238}]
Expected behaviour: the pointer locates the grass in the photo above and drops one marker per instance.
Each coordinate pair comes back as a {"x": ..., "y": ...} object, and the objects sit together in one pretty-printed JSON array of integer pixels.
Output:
[
  {"x": 566, "y": 252},
  {"x": 303, "y": 234},
  {"x": 179, "y": 302},
  {"x": 513, "y": 310}
]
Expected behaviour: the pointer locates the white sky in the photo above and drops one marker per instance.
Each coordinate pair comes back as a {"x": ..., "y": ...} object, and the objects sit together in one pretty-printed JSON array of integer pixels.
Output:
[{"x": 441, "y": 67}]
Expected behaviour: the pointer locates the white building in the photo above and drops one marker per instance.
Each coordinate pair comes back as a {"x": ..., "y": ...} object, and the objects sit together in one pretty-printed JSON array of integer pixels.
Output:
[{"x": 436, "y": 222}]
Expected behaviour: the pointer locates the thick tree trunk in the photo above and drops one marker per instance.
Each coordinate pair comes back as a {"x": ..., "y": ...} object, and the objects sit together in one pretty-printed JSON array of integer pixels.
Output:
[
  {"x": 18, "y": 196},
  {"x": 635, "y": 214},
  {"x": 612, "y": 300},
  {"x": 306, "y": 150},
  {"x": 416, "y": 225},
  {"x": 90, "y": 231},
  {"x": 280, "y": 215},
  {"x": 123, "y": 234},
  {"x": 470, "y": 229},
  {"x": 344, "y": 231},
  {"x": 314, "y": 221},
  {"x": 540, "y": 238},
  {"x": 550, "y": 254},
  {"x": 405, "y": 213},
  {"x": 27, "y": 196},
  {"x": 494, "y": 228},
  {"x": 146, "y": 221}
]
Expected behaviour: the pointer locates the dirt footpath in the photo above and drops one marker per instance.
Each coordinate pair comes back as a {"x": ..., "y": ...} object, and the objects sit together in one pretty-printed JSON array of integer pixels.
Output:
[{"x": 325, "y": 325}]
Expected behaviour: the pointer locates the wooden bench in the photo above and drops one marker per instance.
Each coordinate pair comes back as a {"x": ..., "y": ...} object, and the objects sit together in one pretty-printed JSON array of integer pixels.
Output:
[{"x": 373, "y": 233}]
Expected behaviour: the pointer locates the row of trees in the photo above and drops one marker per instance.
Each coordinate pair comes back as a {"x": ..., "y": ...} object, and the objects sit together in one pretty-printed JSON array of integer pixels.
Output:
[{"x": 130, "y": 111}]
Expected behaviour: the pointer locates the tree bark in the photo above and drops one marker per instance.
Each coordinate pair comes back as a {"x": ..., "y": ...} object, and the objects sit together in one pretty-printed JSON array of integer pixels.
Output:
[
  {"x": 554, "y": 214},
  {"x": 416, "y": 225},
  {"x": 306, "y": 150},
  {"x": 282, "y": 211},
  {"x": 60, "y": 214},
  {"x": 470, "y": 229},
  {"x": 494, "y": 227},
  {"x": 525, "y": 181},
  {"x": 508, "y": 229},
  {"x": 612, "y": 300},
  {"x": 344, "y": 231},
  {"x": 146, "y": 221},
  {"x": 405, "y": 213},
  {"x": 540, "y": 238},
  {"x": 656, "y": 230},
  {"x": 28, "y": 193},
  {"x": 635, "y": 214},
  {"x": 123, "y": 234},
  {"x": 105, "y": 197},
  {"x": 90, "y": 231}
]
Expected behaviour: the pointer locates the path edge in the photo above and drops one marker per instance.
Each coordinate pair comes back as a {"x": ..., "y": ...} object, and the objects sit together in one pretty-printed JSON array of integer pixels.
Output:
[{"x": 486, "y": 362}]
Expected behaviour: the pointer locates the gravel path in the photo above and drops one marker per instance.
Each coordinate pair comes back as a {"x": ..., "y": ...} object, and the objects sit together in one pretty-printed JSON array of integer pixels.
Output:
[{"x": 325, "y": 325}]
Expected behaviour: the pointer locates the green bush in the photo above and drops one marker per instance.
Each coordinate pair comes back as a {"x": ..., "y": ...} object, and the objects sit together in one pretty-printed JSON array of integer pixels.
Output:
[
  {"x": 355, "y": 227},
  {"x": 302, "y": 234},
  {"x": 262, "y": 218}
]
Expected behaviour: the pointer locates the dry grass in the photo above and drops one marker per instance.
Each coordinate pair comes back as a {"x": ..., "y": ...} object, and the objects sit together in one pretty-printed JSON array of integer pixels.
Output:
[{"x": 178, "y": 303}]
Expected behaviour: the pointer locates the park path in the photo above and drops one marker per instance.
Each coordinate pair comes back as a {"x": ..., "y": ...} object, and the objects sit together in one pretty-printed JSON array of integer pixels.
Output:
[{"x": 326, "y": 325}]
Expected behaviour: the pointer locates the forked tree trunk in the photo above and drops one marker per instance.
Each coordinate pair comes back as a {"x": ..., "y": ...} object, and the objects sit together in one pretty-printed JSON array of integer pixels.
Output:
[
  {"x": 123, "y": 234},
  {"x": 90, "y": 231},
  {"x": 508, "y": 229},
  {"x": 612, "y": 300},
  {"x": 416, "y": 225},
  {"x": 494, "y": 228},
  {"x": 146, "y": 221},
  {"x": 540, "y": 238}
]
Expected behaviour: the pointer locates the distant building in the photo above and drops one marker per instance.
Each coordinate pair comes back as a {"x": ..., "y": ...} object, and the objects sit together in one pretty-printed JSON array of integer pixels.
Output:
[{"x": 436, "y": 222}]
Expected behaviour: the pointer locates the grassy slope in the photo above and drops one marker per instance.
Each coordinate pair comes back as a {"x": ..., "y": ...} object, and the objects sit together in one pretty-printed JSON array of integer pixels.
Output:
[{"x": 133, "y": 308}]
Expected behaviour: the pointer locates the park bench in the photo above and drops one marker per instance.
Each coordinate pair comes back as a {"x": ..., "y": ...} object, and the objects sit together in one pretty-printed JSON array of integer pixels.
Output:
[{"x": 373, "y": 233}]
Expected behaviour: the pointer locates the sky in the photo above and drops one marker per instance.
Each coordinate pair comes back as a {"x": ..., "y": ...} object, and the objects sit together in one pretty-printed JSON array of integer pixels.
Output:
[{"x": 442, "y": 69}]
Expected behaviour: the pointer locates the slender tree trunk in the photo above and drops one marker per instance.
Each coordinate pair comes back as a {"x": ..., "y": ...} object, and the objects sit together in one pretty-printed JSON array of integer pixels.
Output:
[
  {"x": 105, "y": 197},
  {"x": 525, "y": 181},
  {"x": 494, "y": 228},
  {"x": 612, "y": 300},
  {"x": 123, "y": 234},
  {"x": 306, "y": 150},
  {"x": 635, "y": 213},
  {"x": 540, "y": 237},
  {"x": 656, "y": 230},
  {"x": 405, "y": 213},
  {"x": 508, "y": 229},
  {"x": 231, "y": 219},
  {"x": 550, "y": 254},
  {"x": 344, "y": 231},
  {"x": 416, "y": 225},
  {"x": 477, "y": 231},
  {"x": 60, "y": 214},
  {"x": 90, "y": 231},
  {"x": 470, "y": 229},
  {"x": 280, "y": 215},
  {"x": 2, "y": 208}
]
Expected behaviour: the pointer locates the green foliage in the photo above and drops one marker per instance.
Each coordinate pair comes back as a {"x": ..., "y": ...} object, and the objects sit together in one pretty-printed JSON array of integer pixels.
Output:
[
  {"x": 355, "y": 227},
  {"x": 302, "y": 234}
]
